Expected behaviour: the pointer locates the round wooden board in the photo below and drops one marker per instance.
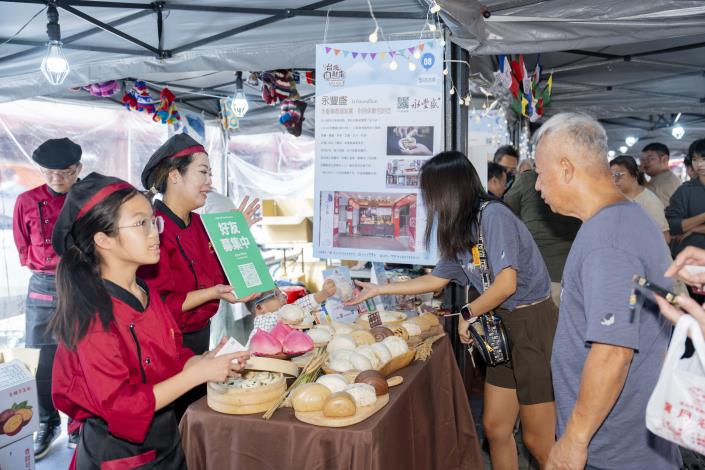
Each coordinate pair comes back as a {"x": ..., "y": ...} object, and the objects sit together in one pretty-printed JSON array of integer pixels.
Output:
[
  {"x": 363, "y": 321},
  {"x": 387, "y": 369},
  {"x": 272, "y": 365},
  {"x": 317, "y": 419}
]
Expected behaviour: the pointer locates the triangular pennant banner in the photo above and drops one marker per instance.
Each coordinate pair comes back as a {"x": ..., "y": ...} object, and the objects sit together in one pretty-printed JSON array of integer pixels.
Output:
[
  {"x": 355, "y": 54},
  {"x": 328, "y": 50},
  {"x": 372, "y": 55},
  {"x": 345, "y": 53},
  {"x": 411, "y": 50},
  {"x": 421, "y": 46},
  {"x": 382, "y": 55},
  {"x": 364, "y": 55},
  {"x": 337, "y": 51},
  {"x": 392, "y": 53}
]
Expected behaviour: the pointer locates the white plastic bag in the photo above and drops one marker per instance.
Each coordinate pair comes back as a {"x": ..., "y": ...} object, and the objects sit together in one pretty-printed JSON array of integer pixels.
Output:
[{"x": 676, "y": 409}]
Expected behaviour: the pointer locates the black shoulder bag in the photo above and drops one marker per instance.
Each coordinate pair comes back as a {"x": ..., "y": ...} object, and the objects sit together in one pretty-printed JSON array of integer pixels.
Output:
[{"x": 488, "y": 332}]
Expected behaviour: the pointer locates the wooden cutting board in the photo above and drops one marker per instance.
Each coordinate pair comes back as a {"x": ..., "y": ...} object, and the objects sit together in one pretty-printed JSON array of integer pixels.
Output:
[{"x": 317, "y": 419}]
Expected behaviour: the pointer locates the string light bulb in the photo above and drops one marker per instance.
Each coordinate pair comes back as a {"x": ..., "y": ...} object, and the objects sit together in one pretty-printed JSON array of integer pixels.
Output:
[
  {"x": 431, "y": 27},
  {"x": 610, "y": 154},
  {"x": 630, "y": 140},
  {"x": 443, "y": 42},
  {"x": 435, "y": 7},
  {"x": 417, "y": 54},
  {"x": 393, "y": 64},
  {"x": 55, "y": 66},
  {"x": 445, "y": 71},
  {"x": 623, "y": 149},
  {"x": 412, "y": 66},
  {"x": 373, "y": 36},
  {"x": 452, "y": 90},
  {"x": 239, "y": 106},
  {"x": 678, "y": 132}
]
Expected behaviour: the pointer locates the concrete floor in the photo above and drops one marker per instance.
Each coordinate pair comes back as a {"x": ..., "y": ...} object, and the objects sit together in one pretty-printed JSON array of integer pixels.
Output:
[{"x": 369, "y": 243}]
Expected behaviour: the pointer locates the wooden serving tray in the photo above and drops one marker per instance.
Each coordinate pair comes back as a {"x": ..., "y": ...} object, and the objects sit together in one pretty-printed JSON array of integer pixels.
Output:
[
  {"x": 244, "y": 401},
  {"x": 272, "y": 365},
  {"x": 364, "y": 322},
  {"x": 317, "y": 419}
]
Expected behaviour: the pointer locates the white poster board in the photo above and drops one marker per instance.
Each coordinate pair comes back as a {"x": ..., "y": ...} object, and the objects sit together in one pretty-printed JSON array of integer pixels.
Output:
[{"x": 375, "y": 127}]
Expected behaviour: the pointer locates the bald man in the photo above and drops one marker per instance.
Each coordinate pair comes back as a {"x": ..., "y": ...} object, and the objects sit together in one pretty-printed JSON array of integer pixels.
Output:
[{"x": 608, "y": 349}]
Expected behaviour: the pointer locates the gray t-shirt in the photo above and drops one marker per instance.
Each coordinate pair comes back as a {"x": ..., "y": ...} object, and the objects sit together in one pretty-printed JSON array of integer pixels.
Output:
[
  {"x": 508, "y": 244},
  {"x": 618, "y": 242}
]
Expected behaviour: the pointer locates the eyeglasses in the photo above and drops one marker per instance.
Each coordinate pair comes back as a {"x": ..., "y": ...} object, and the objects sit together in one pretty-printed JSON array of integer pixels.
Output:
[
  {"x": 617, "y": 174},
  {"x": 147, "y": 225},
  {"x": 276, "y": 293},
  {"x": 62, "y": 174}
]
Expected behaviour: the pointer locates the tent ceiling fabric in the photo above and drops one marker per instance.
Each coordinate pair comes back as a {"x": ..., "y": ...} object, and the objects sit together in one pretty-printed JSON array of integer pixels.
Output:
[{"x": 601, "y": 51}]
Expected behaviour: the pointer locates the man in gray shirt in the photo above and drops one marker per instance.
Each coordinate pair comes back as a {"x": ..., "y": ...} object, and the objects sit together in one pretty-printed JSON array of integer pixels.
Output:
[
  {"x": 610, "y": 341},
  {"x": 654, "y": 161}
]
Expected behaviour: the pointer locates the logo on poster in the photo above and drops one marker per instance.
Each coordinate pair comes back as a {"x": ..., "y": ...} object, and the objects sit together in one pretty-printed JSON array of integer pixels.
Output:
[
  {"x": 334, "y": 75},
  {"x": 427, "y": 60}
]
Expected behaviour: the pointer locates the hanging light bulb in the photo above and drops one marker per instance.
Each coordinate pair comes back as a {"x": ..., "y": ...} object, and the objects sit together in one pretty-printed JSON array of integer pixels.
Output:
[
  {"x": 412, "y": 66},
  {"x": 443, "y": 42},
  {"x": 468, "y": 99},
  {"x": 55, "y": 67},
  {"x": 417, "y": 54},
  {"x": 610, "y": 154},
  {"x": 393, "y": 64},
  {"x": 630, "y": 140},
  {"x": 678, "y": 132},
  {"x": 431, "y": 27},
  {"x": 452, "y": 90},
  {"x": 435, "y": 7},
  {"x": 623, "y": 149},
  {"x": 239, "y": 105},
  {"x": 373, "y": 36}
]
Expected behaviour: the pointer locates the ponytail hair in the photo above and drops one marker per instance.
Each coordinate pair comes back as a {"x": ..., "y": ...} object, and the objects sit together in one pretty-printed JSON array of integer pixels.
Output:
[
  {"x": 161, "y": 174},
  {"x": 80, "y": 289}
]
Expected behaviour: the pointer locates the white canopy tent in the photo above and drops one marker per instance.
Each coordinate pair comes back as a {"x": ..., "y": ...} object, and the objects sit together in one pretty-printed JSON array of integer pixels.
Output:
[{"x": 634, "y": 64}]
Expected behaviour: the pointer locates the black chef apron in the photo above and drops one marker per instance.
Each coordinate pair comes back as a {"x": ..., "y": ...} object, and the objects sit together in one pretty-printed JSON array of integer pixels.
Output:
[
  {"x": 161, "y": 449},
  {"x": 41, "y": 305}
]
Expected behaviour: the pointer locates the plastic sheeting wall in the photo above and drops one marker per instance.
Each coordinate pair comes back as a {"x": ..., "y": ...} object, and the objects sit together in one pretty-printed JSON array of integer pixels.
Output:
[
  {"x": 114, "y": 141},
  {"x": 274, "y": 165}
]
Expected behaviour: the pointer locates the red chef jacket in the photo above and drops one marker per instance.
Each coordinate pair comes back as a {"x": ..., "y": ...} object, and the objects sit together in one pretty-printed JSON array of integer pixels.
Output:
[
  {"x": 187, "y": 263},
  {"x": 111, "y": 373},
  {"x": 33, "y": 221}
]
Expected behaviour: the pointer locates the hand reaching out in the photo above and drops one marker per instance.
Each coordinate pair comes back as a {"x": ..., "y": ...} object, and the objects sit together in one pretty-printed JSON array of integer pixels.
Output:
[{"x": 250, "y": 211}]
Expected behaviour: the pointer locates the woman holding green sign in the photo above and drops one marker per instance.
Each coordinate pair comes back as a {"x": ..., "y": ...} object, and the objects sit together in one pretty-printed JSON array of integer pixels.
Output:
[{"x": 188, "y": 277}]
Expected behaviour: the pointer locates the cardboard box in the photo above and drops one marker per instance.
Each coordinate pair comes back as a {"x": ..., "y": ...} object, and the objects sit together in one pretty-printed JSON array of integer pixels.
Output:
[
  {"x": 291, "y": 229},
  {"x": 27, "y": 356},
  {"x": 19, "y": 412},
  {"x": 287, "y": 221},
  {"x": 18, "y": 456}
]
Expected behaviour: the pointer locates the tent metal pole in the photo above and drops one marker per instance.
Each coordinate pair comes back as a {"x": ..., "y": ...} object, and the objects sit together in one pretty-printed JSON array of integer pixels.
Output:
[
  {"x": 75, "y": 37},
  {"x": 256, "y": 24},
  {"x": 110, "y": 29},
  {"x": 393, "y": 15},
  {"x": 76, "y": 47}
]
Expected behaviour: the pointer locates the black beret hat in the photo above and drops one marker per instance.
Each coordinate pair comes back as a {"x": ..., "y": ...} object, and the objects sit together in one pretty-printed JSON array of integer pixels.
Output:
[
  {"x": 178, "y": 145},
  {"x": 57, "y": 154},
  {"x": 84, "y": 195}
]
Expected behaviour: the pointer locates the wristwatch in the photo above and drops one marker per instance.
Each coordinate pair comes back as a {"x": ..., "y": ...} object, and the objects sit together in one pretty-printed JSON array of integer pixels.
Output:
[{"x": 466, "y": 312}]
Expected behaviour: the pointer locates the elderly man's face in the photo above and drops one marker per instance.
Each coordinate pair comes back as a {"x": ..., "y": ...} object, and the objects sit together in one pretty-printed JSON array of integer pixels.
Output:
[{"x": 548, "y": 169}]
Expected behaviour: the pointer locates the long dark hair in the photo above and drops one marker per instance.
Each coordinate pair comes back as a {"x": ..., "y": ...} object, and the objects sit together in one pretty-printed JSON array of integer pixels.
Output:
[
  {"x": 453, "y": 194},
  {"x": 628, "y": 162},
  {"x": 161, "y": 172},
  {"x": 80, "y": 290}
]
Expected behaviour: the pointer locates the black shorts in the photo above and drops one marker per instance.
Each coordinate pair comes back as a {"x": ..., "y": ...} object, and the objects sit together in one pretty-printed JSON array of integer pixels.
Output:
[{"x": 530, "y": 330}]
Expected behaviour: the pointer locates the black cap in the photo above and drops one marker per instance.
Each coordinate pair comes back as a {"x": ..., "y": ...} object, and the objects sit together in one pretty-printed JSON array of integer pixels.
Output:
[
  {"x": 179, "y": 145},
  {"x": 57, "y": 154},
  {"x": 83, "y": 196}
]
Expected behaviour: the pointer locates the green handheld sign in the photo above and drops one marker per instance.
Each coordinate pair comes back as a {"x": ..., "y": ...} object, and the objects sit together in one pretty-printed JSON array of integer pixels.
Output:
[{"x": 238, "y": 253}]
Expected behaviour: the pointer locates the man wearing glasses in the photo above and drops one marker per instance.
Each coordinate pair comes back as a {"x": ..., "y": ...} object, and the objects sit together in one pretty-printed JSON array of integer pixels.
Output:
[{"x": 33, "y": 221}]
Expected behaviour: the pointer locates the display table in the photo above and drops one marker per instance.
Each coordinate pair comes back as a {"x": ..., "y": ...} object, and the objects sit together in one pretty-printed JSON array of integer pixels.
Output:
[{"x": 427, "y": 425}]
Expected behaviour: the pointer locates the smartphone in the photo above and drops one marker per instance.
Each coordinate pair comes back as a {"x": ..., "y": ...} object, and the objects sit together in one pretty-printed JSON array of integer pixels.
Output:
[{"x": 665, "y": 293}]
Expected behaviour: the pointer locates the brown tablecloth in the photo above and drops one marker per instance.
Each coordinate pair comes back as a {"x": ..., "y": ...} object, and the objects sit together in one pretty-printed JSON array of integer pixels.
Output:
[{"x": 427, "y": 425}]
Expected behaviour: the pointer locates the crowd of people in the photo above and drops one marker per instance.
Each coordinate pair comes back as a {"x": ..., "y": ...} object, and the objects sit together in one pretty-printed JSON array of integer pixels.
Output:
[{"x": 124, "y": 288}]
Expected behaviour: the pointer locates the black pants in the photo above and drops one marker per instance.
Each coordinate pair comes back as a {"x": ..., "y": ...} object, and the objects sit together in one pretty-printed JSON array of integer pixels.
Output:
[
  {"x": 47, "y": 412},
  {"x": 198, "y": 342}
]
